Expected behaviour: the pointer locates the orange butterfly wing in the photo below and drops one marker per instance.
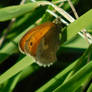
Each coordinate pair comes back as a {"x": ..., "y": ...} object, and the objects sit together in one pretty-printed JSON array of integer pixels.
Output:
[{"x": 30, "y": 41}]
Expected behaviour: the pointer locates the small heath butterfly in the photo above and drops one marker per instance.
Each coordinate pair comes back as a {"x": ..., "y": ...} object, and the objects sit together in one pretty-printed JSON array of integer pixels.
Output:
[{"x": 41, "y": 42}]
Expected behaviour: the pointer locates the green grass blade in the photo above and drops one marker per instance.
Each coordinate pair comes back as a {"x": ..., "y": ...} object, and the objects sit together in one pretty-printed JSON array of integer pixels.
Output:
[
  {"x": 76, "y": 80},
  {"x": 79, "y": 24},
  {"x": 57, "y": 80},
  {"x": 18, "y": 10},
  {"x": 90, "y": 88},
  {"x": 11, "y": 46},
  {"x": 18, "y": 67},
  {"x": 10, "y": 84}
]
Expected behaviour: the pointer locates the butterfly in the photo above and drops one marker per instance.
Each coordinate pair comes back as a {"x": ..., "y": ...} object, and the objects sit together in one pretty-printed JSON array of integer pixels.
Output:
[{"x": 42, "y": 43}]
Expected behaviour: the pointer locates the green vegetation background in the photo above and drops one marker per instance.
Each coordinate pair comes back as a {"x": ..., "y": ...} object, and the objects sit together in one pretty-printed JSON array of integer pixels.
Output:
[{"x": 73, "y": 70}]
